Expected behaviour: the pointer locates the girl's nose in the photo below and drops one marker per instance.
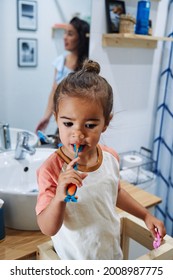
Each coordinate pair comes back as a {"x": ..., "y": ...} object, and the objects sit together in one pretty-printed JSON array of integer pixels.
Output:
[{"x": 78, "y": 135}]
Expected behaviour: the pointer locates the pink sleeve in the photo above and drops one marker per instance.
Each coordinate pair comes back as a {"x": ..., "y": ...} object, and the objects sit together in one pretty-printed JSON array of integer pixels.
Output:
[{"x": 47, "y": 177}]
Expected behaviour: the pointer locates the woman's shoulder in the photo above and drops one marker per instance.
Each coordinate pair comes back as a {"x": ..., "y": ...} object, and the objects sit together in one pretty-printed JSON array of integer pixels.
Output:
[{"x": 59, "y": 61}]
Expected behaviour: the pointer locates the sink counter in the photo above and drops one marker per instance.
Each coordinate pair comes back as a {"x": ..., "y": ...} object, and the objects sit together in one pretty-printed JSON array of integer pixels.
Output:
[{"x": 20, "y": 244}]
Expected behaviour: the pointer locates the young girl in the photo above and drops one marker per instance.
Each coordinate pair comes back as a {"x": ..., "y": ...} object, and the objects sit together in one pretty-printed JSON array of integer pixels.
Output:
[{"x": 90, "y": 228}]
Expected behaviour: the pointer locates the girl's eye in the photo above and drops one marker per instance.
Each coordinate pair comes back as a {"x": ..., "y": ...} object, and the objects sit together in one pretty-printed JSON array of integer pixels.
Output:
[
  {"x": 68, "y": 124},
  {"x": 90, "y": 125}
]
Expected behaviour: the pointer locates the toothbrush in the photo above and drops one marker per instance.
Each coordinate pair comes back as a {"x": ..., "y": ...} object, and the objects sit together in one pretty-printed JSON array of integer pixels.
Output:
[
  {"x": 44, "y": 138},
  {"x": 157, "y": 242},
  {"x": 72, "y": 188}
]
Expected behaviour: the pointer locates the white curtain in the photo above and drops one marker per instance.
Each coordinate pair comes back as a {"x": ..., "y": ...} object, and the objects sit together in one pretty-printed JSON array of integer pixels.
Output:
[{"x": 163, "y": 142}]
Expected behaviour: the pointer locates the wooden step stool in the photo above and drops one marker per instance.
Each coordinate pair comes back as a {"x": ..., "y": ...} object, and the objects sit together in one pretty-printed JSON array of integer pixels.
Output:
[{"x": 131, "y": 227}]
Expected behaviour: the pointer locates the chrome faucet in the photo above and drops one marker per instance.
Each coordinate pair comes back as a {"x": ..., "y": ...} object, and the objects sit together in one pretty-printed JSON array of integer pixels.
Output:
[
  {"x": 5, "y": 136},
  {"x": 22, "y": 146}
]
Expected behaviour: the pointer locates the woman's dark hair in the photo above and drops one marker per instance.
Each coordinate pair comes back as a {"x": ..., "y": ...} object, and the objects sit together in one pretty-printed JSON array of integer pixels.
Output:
[{"x": 83, "y": 29}]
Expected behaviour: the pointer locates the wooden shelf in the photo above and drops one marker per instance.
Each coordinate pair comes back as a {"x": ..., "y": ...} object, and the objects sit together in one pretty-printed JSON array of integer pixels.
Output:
[{"x": 128, "y": 40}]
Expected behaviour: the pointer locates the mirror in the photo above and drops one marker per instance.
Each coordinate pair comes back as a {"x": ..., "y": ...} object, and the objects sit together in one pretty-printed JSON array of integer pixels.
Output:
[{"x": 24, "y": 89}]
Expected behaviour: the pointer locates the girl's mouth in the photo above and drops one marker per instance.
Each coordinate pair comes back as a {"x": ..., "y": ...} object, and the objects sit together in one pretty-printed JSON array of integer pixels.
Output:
[{"x": 78, "y": 148}]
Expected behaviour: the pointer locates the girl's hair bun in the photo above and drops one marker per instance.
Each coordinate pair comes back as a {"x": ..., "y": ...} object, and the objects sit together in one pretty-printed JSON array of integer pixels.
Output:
[{"x": 91, "y": 66}]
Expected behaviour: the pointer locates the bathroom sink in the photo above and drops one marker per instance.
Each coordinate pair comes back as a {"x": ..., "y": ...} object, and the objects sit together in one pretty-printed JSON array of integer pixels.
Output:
[
  {"x": 18, "y": 187},
  {"x": 13, "y": 135}
]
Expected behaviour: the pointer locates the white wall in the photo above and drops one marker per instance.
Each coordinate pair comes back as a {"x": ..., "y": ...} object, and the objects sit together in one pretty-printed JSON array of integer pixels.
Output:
[
  {"x": 2, "y": 62},
  {"x": 133, "y": 73}
]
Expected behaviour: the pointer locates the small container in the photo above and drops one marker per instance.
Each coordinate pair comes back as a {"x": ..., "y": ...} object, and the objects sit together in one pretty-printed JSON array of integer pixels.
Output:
[
  {"x": 2, "y": 223},
  {"x": 140, "y": 171},
  {"x": 127, "y": 24},
  {"x": 142, "y": 18}
]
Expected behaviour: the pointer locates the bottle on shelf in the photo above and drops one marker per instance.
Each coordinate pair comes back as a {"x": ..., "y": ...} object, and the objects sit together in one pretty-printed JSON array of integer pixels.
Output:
[{"x": 142, "y": 17}]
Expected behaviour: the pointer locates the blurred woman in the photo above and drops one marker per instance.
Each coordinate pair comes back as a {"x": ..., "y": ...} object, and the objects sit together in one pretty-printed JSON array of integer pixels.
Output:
[{"x": 76, "y": 42}]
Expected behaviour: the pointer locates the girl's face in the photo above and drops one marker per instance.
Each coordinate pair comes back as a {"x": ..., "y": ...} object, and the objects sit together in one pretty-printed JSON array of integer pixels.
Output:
[
  {"x": 80, "y": 121},
  {"x": 71, "y": 38}
]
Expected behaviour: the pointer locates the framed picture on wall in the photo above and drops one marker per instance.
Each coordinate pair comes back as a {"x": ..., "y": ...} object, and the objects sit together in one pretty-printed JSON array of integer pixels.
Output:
[
  {"x": 113, "y": 11},
  {"x": 26, "y": 15},
  {"x": 27, "y": 52}
]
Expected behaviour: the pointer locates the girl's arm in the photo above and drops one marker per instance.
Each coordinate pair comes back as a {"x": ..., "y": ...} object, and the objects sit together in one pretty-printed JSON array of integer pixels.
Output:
[
  {"x": 43, "y": 123},
  {"x": 130, "y": 205},
  {"x": 51, "y": 218}
]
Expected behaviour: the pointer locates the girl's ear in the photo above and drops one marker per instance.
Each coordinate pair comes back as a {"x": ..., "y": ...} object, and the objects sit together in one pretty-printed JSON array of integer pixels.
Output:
[
  {"x": 104, "y": 128},
  {"x": 55, "y": 115},
  {"x": 106, "y": 124},
  {"x": 110, "y": 117}
]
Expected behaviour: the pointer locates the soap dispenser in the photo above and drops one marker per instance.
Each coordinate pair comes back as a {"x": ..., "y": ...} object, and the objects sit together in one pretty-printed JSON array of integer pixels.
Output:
[{"x": 142, "y": 17}]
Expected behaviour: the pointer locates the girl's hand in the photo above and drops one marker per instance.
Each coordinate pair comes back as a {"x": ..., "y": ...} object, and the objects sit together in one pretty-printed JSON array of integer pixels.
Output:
[
  {"x": 68, "y": 177},
  {"x": 155, "y": 225}
]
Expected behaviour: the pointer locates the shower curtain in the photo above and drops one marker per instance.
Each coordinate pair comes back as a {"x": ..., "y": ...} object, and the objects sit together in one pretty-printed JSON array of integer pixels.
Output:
[{"x": 163, "y": 142}]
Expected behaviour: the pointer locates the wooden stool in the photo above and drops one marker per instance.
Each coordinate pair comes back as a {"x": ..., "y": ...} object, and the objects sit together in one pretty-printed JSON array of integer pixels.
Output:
[{"x": 131, "y": 227}]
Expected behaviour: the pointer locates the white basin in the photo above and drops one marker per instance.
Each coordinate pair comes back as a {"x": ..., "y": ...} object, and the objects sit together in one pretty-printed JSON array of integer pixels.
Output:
[
  {"x": 18, "y": 188},
  {"x": 13, "y": 136}
]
